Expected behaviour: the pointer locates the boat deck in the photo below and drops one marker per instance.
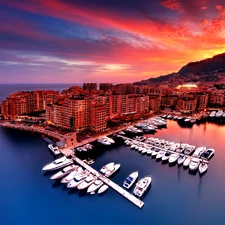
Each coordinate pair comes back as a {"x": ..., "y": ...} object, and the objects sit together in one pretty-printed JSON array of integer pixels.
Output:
[
  {"x": 111, "y": 184},
  {"x": 160, "y": 148}
]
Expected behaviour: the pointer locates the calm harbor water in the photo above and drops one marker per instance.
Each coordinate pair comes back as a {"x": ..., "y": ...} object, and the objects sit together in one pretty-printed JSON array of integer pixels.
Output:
[
  {"x": 28, "y": 196},
  {"x": 175, "y": 196}
]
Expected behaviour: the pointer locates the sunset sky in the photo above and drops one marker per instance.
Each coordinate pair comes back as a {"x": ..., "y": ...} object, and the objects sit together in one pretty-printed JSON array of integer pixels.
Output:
[{"x": 62, "y": 41}]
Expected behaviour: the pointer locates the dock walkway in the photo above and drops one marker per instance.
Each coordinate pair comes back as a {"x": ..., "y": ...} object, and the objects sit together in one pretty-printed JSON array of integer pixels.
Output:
[{"x": 111, "y": 184}]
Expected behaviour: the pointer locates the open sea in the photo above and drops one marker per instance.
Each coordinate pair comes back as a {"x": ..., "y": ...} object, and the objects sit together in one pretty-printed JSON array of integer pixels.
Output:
[{"x": 28, "y": 196}]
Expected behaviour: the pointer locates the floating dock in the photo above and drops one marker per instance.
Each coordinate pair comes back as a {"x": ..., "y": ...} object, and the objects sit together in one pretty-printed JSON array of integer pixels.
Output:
[{"x": 116, "y": 187}]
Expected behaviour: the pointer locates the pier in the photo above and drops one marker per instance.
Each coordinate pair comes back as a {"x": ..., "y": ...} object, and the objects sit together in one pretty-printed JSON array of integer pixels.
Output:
[{"x": 111, "y": 184}]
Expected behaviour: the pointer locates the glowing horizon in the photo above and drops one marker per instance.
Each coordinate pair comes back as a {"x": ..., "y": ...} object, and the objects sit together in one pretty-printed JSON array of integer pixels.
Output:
[{"x": 62, "y": 41}]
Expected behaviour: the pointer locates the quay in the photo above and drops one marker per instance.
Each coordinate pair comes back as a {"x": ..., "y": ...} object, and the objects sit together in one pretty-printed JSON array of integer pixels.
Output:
[
  {"x": 111, "y": 184},
  {"x": 33, "y": 129},
  {"x": 165, "y": 150}
]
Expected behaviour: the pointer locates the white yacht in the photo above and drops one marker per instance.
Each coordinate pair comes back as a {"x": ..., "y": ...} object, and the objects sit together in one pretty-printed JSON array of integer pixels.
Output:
[
  {"x": 198, "y": 151},
  {"x": 142, "y": 185},
  {"x": 203, "y": 167},
  {"x": 64, "y": 172},
  {"x": 110, "y": 140},
  {"x": 149, "y": 151},
  {"x": 189, "y": 150},
  {"x": 106, "y": 167},
  {"x": 187, "y": 162},
  {"x": 87, "y": 182},
  {"x": 160, "y": 154},
  {"x": 103, "y": 141},
  {"x": 103, "y": 189},
  {"x": 173, "y": 158},
  {"x": 95, "y": 186},
  {"x": 54, "y": 148},
  {"x": 194, "y": 164},
  {"x": 181, "y": 159},
  {"x": 208, "y": 154},
  {"x": 180, "y": 118},
  {"x": 219, "y": 113},
  {"x": 129, "y": 181},
  {"x": 121, "y": 132},
  {"x": 78, "y": 179},
  {"x": 70, "y": 177},
  {"x": 57, "y": 164},
  {"x": 88, "y": 146},
  {"x": 166, "y": 156},
  {"x": 110, "y": 171},
  {"x": 187, "y": 119},
  {"x": 155, "y": 152},
  {"x": 212, "y": 114}
]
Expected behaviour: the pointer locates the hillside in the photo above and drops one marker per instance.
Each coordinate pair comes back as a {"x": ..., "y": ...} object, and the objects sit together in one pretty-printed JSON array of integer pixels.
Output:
[{"x": 207, "y": 70}]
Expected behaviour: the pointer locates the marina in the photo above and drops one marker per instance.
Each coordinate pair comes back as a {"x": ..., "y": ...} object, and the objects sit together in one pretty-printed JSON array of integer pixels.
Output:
[
  {"x": 185, "y": 189},
  {"x": 161, "y": 150},
  {"x": 111, "y": 184}
]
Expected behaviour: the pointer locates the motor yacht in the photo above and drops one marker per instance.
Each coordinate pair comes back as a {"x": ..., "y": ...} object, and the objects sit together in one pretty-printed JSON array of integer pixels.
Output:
[
  {"x": 155, "y": 152},
  {"x": 110, "y": 171},
  {"x": 57, "y": 164},
  {"x": 110, "y": 140},
  {"x": 203, "y": 167},
  {"x": 71, "y": 175},
  {"x": 106, "y": 167},
  {"x": 121, "y": 132},
  {"x": 95, "y": 186},
  {"x": 219, "y": 113},
  {"x": 175, "y": 117},
  {"x": 198, "y": 151},
  {"x": 83, "y": 149},
  {"x": 144, "y": 151},
  {"x": 103, "y": 189},
  {"x": 180, "y": 149},
  {"x": 208, "y": 154},
  {"x": 78, "y": 178},
  {"x": 187, "y": 119},
  {"x": 142, "y": 185},
  {"x": 212, "y": 114},
  {"x": 65, "y": 171},
  {"x": 160, "y": 154},
  {"x": 187, "y": 162},
  {"x": 189, "y": 150},
  {"x": 87, "y": 182},
  {"x": 181, "y": 160},
  {"x": 130, "y": 180},
  {"x": 54, "y": 148},
  {"x": 180, "y": 118},
  {"x": 103, "y": 141},
  {"x": 194, "y": 164},
  {"x": 166, "y": 156},
  {"x": 149, "y": 151},
  {"x": 173, "y": 158},
  {"x": 88, "y": 146}
]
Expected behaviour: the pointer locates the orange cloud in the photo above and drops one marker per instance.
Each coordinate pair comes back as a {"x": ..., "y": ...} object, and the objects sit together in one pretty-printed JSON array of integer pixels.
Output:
[{"x": 167, "y": 43}]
